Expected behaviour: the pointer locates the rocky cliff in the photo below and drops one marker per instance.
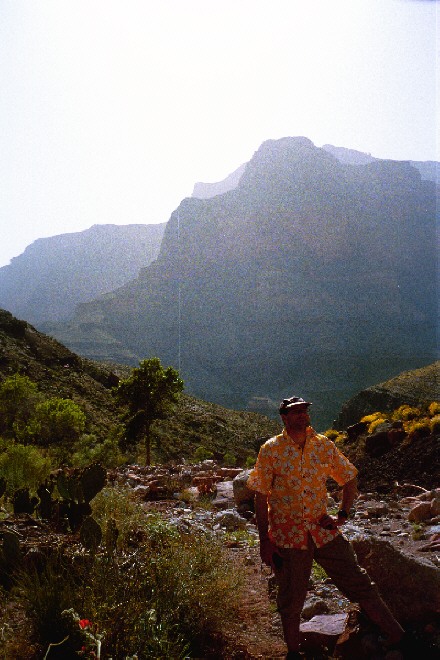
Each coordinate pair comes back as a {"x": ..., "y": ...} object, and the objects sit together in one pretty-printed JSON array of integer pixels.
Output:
[
  {"x": 414, "y": 388},
  {"x": 208, "y": 190},
  {"x": 312, "y": 276},
  {"x": 54, "y": 274}
]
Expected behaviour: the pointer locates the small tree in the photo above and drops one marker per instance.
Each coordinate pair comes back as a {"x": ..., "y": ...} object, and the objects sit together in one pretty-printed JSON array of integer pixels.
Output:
[
  {"x": 18, "y": 397},
  {"x": 149, "y": 394},
  {"x": 56, "y": 421}
]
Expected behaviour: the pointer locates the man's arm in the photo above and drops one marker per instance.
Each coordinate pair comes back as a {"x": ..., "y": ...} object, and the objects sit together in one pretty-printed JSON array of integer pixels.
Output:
[
  {"x": 267, "y": 548},
  {"x": 349, "y": 494}
]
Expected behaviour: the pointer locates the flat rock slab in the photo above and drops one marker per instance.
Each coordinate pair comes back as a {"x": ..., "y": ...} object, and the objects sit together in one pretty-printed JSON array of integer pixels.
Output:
[{"x": 323, "y": 630}]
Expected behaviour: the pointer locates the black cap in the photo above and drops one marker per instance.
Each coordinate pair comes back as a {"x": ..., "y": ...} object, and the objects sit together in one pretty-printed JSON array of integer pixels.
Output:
[{"x": 287, "y": 404}]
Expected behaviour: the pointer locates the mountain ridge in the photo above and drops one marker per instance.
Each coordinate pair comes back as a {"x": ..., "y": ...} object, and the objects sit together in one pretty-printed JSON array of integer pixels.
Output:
[
  {"x": 306, "y": 277},
  {"x": 54, "y": 274}
]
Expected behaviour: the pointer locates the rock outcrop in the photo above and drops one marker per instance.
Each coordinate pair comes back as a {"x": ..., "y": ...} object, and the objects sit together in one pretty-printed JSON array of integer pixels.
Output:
[
  {"x": 411, "y": 585},
  {"x": 413, "y": 388}
]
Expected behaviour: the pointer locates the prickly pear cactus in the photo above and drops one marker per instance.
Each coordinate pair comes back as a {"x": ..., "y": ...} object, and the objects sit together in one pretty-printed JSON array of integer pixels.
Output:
[
  {"x": 11, "y": 548},
  {"x": 22, "y": 502},
  {"x": 111, "y": 536},
  {"x": 93, "y": 480},
  {"x": 90, "y": 534},
  {"x": 68, "y": 485}
]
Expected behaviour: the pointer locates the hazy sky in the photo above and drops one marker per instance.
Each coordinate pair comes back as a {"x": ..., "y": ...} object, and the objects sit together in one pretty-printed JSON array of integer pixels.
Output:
[{"x": 111, "y": 110}]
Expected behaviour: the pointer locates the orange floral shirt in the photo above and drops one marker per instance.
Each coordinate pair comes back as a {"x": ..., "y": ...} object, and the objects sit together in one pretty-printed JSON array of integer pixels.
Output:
[{"x": 294, "y": 480}]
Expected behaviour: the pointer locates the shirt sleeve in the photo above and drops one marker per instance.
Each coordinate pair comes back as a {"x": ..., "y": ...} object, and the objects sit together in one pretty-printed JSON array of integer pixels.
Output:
[
  {"x": 342, "y": 470},
  {"x": 261, "y": 477}
]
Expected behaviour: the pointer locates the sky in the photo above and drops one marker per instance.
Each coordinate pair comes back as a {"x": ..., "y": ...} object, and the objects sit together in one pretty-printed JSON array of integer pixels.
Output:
[{"x": 111, "y": 110}]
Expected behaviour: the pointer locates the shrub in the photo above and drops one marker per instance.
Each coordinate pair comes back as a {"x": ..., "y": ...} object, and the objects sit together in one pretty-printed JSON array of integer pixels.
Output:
[
  {"x": 202, "y": 454},
  {"x": 230, "y": 459},
  {"x": 250, "y": 462},
  {"x": 377, "y": 422},
  {"x": 43, "y": 600},
  {"x": 56, "y": 421},
  {"x": 18, "y": 397},
  {"x": 23, "y": 466},
  {"x": 435, "y": 424},
  {"x": 115, "y": 503},
  {"x": 89, "y": 450},
  {"x": 419, "y": 428},
  {"x": 434, "y": 409},
  {"x": 406, "y": 413},
  {"x": 331, "y": 434},
  {"x": 371, "y": 418},
  {"x": 156, "y": 596}
]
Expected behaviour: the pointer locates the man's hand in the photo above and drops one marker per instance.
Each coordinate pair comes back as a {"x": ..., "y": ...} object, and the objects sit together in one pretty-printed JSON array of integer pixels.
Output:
[
  {"x": 331, "y": 522},
  {"x": 267, "y": 551}
]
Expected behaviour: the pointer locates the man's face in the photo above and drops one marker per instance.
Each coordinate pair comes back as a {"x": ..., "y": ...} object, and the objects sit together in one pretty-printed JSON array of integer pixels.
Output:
[{"x": 297, "y": 418}]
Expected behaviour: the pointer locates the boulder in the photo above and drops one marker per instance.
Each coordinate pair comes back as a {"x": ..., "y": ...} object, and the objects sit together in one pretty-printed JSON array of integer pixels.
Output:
[
  {"x": 230, "y": 520},
  {"x": 377, "y": 444},
  {"x": 409, "y": 584},
  {"x": 355, "y": 430},
  {"x": 323, "y": 630},
  {"x": 420, "y": 512},
  {"x": 242, "y": 494},
  {"x": 435, "y": 506}
]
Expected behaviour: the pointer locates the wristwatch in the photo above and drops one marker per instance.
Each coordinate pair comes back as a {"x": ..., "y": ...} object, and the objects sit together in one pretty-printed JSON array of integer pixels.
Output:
[{"x": 342, "y": 513}]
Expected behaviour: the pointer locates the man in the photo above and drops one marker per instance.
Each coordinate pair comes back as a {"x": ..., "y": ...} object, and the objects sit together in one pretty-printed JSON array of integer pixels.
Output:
[{"x": 294, "y": 528}]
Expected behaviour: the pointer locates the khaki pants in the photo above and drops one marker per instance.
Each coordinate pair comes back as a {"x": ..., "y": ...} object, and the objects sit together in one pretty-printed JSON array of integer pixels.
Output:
[{"x": 338, "y": 560}]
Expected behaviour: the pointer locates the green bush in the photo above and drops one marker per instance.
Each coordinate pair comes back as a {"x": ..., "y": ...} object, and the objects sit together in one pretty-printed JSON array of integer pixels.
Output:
[
  {"x": 23, "y": 466},
  {"x": 18, "y": 397},
  {"x": 116, "y": 503},
  {"x": 56, "y": 421},
  {"x": 230, "y": 459},
  {"x": 250, "y": 462},
  {"x": 203, "y": 454},
  {"x": 89, "y": 450}
]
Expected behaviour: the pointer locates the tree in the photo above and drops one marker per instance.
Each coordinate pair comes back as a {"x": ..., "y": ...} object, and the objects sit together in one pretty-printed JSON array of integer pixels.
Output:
[
  {"x": 18, "y": 397},
  {"x": 149, "y": 394}
]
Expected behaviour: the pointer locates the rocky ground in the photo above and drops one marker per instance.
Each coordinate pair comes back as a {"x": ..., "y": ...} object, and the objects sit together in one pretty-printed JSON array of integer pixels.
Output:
[
  {"x": 332, "y": 626},
  {"x": 399, "y": 531}
]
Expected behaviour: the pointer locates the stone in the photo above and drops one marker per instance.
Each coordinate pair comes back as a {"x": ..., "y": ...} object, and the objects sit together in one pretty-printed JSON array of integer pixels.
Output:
[
  {"x": 435, "y": 506},
  {"x": 409, "y": 584},
  {"x": 230, "y": 520},
  {"x": 323, "y": 630},
  {"x": 420, "y": 512},
  {"x": 377, "y": 444},
  {"x": 225, "y": 496},
  {"x": 314, "y": 606},
  {"x": 242, "y": 494}
]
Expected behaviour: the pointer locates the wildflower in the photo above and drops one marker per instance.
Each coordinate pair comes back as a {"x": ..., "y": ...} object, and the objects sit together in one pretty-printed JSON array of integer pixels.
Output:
[{"x": 85, "y": 623}]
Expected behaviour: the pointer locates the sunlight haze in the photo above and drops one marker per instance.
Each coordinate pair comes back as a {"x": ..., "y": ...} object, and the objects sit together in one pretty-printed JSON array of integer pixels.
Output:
[{"x": 112, "y": 110}]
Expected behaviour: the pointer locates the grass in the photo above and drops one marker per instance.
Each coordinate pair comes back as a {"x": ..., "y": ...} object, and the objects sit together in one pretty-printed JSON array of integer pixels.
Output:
[{"x": 155, "y": 592}]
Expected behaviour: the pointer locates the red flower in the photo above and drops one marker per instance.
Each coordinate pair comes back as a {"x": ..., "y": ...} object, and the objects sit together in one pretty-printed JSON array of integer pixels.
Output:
[{"x": 85, "y": 623}]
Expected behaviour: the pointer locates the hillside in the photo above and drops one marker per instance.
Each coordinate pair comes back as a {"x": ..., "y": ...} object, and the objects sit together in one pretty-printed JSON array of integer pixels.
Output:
[
  {"x": 414, "y": 388},
  {"x": 59, "y": 372},
  {"x": 305, "y": 278},
  {"x": 53, "y": 275}
]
